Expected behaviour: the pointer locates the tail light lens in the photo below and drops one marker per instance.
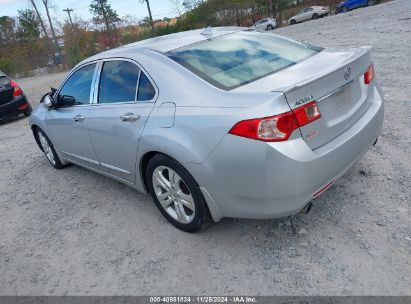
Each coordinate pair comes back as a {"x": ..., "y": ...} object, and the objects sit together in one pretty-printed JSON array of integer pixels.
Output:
[
  {"x": 369, "y": 74},
  {"x": 17, "y": 90},
  {"x": 278, "y": 127}
]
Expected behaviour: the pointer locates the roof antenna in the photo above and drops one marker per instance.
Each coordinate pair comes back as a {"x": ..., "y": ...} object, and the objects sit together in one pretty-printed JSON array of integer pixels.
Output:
[{"x": 207, "y": 31}]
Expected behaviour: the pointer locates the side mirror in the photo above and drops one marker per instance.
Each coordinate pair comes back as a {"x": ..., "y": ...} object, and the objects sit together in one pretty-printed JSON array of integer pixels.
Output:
[
  {"x": 66, "y": 100},
  {"x": 49, "y": 101}
]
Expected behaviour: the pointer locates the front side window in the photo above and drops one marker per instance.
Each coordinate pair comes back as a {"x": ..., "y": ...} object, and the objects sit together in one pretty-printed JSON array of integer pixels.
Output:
[
  {"x": 233, "y": 60},
  {"x": 118, "y": 82},
  {"x": 78, "y": 86}
]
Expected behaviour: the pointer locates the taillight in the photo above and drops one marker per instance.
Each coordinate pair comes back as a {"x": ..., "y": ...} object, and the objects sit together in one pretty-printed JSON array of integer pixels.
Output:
[
  {"x": 17, "y": 90},
  {"x": 307, "y": 113},
  {"x": 278, "y": 127},
  {"x": 369, "y": 74}
]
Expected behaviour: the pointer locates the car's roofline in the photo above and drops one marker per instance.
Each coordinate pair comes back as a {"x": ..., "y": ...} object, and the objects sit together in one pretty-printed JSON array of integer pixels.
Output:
[{"x": 169, "y": 42}]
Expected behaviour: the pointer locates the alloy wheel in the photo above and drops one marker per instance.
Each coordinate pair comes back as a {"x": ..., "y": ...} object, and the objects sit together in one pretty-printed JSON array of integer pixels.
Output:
[
  {"x": 46, "y": 148},
  {"x": 173, "y": 194}
]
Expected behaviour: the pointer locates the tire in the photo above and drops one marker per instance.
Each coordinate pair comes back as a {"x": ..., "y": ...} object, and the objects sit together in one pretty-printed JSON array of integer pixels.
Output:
[
  {"x": 315, "y": 16},
  {"x": 292, "y": 22},
  {"x": 188, "y": 216},
  {"x": 344, "y": 9},
  {"x": 48, "y": 150},
  {"x": 270, "y": 27}
]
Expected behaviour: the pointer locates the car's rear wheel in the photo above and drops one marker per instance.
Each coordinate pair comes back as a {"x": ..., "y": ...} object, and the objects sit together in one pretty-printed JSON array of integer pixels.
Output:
[
  {"x": 48, "y": 149},
  {"x": 315, "y": 16},
  {"x": 270, "y": 27},
  {"x": 344, "y": 9},
  {"x": 176, "y": 193}
]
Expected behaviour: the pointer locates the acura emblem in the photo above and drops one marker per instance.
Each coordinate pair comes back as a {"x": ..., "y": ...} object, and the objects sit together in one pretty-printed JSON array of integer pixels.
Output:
[{"x": 347, "y": 73}]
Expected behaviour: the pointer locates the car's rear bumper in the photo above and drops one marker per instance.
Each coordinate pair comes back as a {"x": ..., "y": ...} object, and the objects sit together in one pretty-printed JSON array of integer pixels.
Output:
[
  {"x": 19, "y": 105},
  {"x": 251, "y": 179}
]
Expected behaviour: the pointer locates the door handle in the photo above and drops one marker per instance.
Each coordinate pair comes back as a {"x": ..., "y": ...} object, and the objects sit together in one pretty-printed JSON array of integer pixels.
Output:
[
  {"x": 79, "y": 118},
  {"x": 129, "y": 117}
]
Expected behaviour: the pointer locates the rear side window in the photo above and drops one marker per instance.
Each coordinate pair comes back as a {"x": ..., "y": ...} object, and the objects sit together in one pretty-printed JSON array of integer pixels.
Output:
[
  {"x": 233, "y": 60},
  {"x": 118, "y": 82},
  {"x": 78, "y": 85},
  {"x": 146, "y": 90}
]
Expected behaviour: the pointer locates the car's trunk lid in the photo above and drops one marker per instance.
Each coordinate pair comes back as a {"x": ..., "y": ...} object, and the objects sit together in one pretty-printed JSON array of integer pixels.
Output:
[{"x": 335, "y": 79}]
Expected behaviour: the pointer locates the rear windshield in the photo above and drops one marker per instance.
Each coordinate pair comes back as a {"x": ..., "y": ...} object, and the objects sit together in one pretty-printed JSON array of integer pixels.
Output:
[{"x": 233, "y": 60}]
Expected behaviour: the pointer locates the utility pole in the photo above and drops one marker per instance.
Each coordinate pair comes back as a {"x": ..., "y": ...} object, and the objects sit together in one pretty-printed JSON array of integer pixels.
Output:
[
  {"x": 149, "y": 14},
  {"x": 53, "y": 33},
  {"x": 68, "y": 10},
  {"x": 40, "y": 19}
]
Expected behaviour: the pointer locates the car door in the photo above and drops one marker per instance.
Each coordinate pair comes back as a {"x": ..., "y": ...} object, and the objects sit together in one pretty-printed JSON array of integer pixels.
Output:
[
  {"x": 300, "y": 16},
  {"x": 308, "y": 13},
  {"x": 67, "y": 125},
  {"x": 125, "y": 99},
  {"x": 262, "y": 24}
]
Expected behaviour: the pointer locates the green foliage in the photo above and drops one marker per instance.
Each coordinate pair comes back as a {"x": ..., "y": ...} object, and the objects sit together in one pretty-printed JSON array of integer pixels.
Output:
[
  {"x": 29, "y": 25},
  {"x": 103, "y": 13},
  {"x": 79, "y": 43},
  {"x": 7, "y": 65}
]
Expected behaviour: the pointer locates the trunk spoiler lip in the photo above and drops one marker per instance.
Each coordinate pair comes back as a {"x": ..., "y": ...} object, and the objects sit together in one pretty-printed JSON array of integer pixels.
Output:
[{"x": 357, "y": 52}]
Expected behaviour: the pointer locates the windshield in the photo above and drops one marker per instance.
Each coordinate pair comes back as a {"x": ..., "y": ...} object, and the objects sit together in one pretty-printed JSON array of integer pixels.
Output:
[{"x": 233, "y": 60}]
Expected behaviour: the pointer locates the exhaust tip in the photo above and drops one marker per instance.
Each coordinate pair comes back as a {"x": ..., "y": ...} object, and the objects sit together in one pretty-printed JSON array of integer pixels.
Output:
[{"x": 307, "y": 208}]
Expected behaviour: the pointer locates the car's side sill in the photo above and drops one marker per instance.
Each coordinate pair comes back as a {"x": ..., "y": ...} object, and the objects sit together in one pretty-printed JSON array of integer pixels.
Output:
[{"x": 100, "y": 172}]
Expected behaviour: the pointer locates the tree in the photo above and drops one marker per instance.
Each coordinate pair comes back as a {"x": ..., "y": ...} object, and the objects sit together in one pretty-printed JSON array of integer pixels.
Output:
[
  {"x": 149, "y": 13},
  {"x": 7, "y": 29},
  {"x": 277, "y": 9},
  {"x": 104, "y": 15},
  {"x": 189, "y": 5},
  {"x": 79, "y": 42},
  {"x": 28, "y": 28},
  {"x": 177, "y": 6}
]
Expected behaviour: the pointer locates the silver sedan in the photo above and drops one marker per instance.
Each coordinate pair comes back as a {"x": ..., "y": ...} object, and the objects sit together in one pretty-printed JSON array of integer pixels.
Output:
[{"x": 217, "y": 123}]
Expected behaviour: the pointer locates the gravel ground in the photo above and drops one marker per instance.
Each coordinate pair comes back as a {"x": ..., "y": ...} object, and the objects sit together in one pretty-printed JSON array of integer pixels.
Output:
[{"x": 75, "y": 232}]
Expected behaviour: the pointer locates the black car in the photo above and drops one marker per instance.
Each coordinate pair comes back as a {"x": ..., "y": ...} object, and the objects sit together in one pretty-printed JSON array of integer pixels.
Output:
[{"x": 12, "y": 99}]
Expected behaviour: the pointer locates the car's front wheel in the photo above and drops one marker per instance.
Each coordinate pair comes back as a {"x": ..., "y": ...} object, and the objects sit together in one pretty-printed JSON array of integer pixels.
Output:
[
  {"x": 176, "y": 193},
  {"x": 48, "y": 149}
]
